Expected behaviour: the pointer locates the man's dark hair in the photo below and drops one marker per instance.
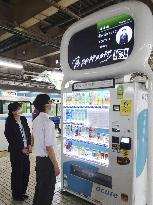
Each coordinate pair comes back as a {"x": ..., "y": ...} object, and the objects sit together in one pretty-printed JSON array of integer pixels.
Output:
[{"x": 40, "y": 101}]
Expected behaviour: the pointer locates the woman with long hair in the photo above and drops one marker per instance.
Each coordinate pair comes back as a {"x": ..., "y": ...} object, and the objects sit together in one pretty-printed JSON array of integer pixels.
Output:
[{"x": 17, "y": 133}]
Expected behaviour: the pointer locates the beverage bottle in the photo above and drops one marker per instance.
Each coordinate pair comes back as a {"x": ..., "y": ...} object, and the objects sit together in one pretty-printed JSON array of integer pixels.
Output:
[
  {"x": 72, "y": 100},
  {"x": 79, "y": 115},
  {"x": 82, "y": 115},
  {"x": 87, "y": 98},
  {"x": 106, "y": 158},
  {"x": 107, "y": 140},
  {"x": 102, "y": 139},
  {"x": 85, "y": 114},
  {"x": 90, "y": 98},
  {"x": 98, "y": 98},
  {"x": 76, "y": 131},
  {"x": 102, "y": 155},
  {"x": 80, "y": 99},
  {"x": 72, "y": 115},
  {"x": 79, "y": 151},
  {"x": 64, "y": 130},
  {"x": 94, "y": 153},
  {"x": 87, "y": 133},
  {"x": 98, "y": 155},
  {"x": 76, "y": 115},
  {"x": 83, "y": 98},
  {"x": 94, "y": 98},
  {"x": 83, "y": 132},
  {"x": 67, "y": 114},
  {"x": 69, "y": 130},
  {"x": 83, "y": 151},
  {"x": 64, "y": 114},
  {"x": 73, "y": 130},
  {"x": 64, "y": 145}
]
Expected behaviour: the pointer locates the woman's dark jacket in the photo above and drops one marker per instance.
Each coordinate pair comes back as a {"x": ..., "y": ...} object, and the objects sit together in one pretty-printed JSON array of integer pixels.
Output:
[{"x": 13, "y": 134}]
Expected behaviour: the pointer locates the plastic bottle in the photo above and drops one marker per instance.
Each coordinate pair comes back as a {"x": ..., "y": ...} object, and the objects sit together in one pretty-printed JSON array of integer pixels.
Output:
[
  {"x": 64, "y": 114},
  {"x": 82, "y": 115},
  {"x": 94, "y": 98},
  {"x": 83, "y": 98},
  {"x": 106, "y": 158},
  {"x": 87, "y": 133},
  {"x": 72, "y": 115},
  {"x": 67, "y": 115},
  {"x": 79, "y": 115},
  {"x": 90, "y": 98},
  {"x": 107, "y": 140},
  {"x": 102, "y": 138},
  {"x": 76, "y": 115}
]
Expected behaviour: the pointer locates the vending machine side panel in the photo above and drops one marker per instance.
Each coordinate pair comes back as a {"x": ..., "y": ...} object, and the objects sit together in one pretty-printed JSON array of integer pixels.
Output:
[
  {"x": 122, "y": 141},
  {"x": 141, "y": 138}
]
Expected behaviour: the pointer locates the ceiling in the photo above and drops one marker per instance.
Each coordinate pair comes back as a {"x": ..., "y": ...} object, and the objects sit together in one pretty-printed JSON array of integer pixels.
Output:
[{"x": 31, "y": 30}]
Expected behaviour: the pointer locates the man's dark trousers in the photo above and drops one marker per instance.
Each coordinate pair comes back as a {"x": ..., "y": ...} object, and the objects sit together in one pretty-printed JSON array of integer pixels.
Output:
[{"x": 45, "y": 181}]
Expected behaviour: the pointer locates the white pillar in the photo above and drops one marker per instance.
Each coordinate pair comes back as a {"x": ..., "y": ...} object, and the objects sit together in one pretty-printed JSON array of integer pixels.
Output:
[{"x": 150, "y": 144}]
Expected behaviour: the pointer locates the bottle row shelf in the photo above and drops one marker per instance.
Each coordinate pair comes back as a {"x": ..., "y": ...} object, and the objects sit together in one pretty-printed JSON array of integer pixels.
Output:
[
  {"x": 102, "y": 162},
  {"x": 87, "y": 106},
  {"x": 88, "y": 141}
]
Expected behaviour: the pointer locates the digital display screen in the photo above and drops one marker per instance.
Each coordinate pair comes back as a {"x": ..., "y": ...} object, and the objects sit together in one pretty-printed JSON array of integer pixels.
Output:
[
  {"x": 125, "y": 140},
  {"x": 116, "y": 107},
  {"x": 107, "y": 42}
]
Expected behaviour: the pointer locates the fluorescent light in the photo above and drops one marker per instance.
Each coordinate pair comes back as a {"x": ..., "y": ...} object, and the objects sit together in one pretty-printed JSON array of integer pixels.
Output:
[
  {"x": 51, "y": 76},
  {"x": 10, "y": 64}
]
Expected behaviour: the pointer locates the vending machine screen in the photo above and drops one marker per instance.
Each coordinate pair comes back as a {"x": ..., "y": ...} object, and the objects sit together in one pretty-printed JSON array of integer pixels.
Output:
[{"x": 107, "y": 42}]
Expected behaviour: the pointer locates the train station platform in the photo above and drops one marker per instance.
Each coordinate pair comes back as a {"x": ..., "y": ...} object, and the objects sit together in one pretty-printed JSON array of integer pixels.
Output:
[{"x": 5, "y": 184}]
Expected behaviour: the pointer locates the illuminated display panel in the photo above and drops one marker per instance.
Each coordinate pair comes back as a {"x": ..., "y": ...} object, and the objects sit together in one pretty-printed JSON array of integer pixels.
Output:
[
  {"x": 107, "y": 42},
  {"x": 86, "y": 125}
]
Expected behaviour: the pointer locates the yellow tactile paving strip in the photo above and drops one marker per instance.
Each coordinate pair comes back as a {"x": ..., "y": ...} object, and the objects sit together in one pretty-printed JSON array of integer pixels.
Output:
[{"x": 4, "y": 154}]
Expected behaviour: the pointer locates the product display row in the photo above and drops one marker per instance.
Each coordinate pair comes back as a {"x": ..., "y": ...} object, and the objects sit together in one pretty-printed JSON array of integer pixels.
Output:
[
  {"x": 87, "y": 98},
  {"x": 86, "y": 151},
  {"x": 96, "y": 135}
]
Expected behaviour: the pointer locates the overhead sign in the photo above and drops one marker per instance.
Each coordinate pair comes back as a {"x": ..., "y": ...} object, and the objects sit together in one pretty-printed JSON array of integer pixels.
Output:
[
  {"x": 107, "y": 42},
  {"x": 9, "y": 93}
]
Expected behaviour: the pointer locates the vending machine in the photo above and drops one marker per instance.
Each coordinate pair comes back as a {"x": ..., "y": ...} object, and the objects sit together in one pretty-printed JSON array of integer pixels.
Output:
[{"x": 104, "y": 118}]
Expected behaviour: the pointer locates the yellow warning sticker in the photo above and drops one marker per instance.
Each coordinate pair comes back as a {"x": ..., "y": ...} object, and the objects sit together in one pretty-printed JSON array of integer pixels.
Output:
[
  {"x": 125, "y": 153},
  {"x": 125, "y": 108}
]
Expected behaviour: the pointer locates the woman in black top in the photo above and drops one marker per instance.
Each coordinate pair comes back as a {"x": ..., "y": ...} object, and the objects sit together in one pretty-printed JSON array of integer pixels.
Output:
[{"x": 17, "y": 133}]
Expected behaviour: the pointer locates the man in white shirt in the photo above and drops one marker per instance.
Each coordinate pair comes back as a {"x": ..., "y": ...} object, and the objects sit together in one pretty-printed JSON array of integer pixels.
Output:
[{"x": 46, "y": 164}]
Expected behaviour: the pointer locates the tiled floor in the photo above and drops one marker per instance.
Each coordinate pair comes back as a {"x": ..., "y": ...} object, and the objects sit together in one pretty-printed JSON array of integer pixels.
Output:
[{"x": 5, "y": 192}]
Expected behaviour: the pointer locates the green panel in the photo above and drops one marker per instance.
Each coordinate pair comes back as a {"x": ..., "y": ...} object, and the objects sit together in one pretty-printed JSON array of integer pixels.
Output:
[{"x": 114, "y": 21}]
